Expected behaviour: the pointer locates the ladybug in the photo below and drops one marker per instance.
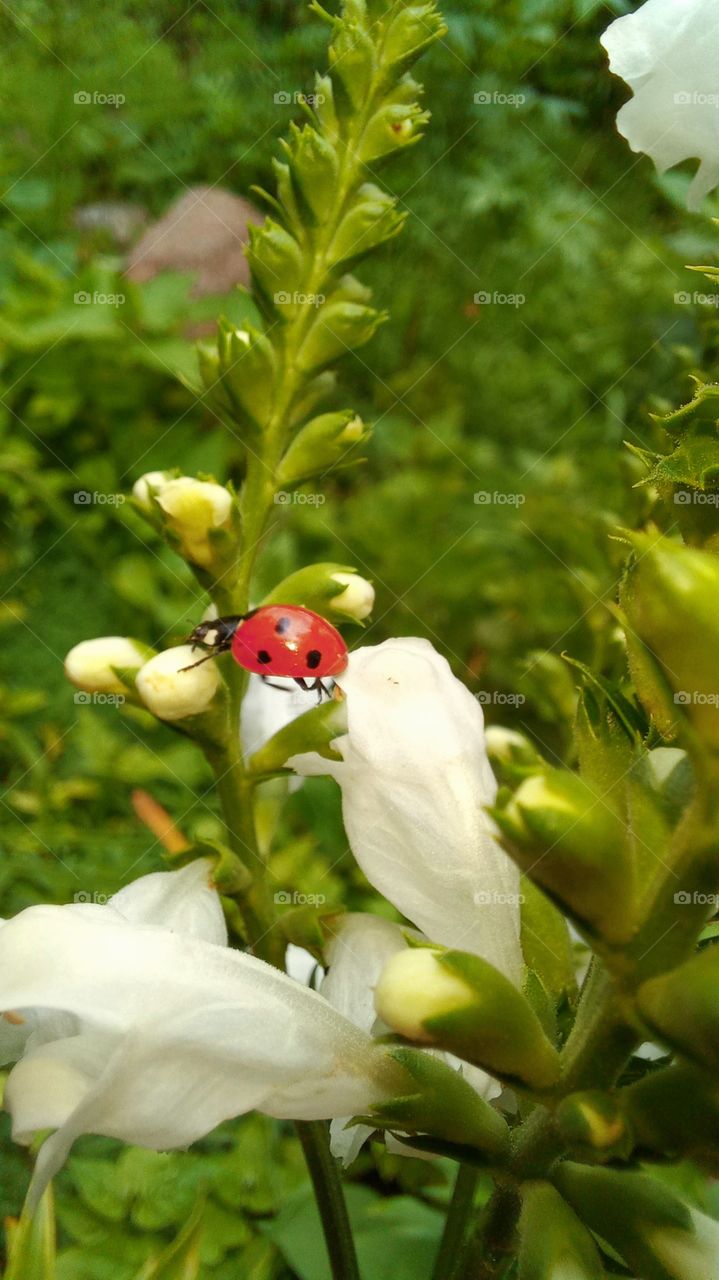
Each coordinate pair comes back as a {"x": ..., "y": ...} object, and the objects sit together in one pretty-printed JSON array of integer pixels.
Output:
[{"x": 284, "y": 640}]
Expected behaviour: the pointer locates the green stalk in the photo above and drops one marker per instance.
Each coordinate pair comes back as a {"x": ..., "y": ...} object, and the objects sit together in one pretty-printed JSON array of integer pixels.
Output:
[
  {"x": 330, "y": 1199},
  {"x": 455, "y": 1227}
]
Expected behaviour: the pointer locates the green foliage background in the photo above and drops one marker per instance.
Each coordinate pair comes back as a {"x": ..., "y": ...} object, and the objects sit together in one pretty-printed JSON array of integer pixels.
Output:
[{"x": 527, "y": 403}]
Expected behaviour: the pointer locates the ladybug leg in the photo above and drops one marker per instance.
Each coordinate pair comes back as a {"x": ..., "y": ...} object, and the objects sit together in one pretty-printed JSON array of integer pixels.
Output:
[
  {"x": 216, "y": 649},
  {"x": 313, "y": 685},
  {"x": 283, "y": 688}
]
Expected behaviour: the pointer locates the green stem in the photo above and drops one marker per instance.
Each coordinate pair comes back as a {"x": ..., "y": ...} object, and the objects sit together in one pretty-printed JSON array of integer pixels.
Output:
[
  {"x": 330, "y": 1199},
  {"x": 456, "y": 1224}
]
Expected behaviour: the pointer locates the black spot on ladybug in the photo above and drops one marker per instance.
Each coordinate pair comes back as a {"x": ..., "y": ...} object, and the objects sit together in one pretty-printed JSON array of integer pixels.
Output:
[
  {"x": 314, "y": 658},
  {"x": 283, "y": 626},
  {"x": 264, "y": 657}
]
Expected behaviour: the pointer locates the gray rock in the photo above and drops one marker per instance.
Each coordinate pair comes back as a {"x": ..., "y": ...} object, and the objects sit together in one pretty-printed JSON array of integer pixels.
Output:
[{"x": 203, "y": 233}]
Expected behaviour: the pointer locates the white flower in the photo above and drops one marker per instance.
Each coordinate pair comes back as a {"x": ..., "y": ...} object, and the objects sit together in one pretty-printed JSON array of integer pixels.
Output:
[
  {"x": 668, "y": 52},
  {"x": 266, "y": 709},
  {"x": 359, "y": 952},
  {"x": 144, "y": 1026},
  {"x": 415, "y": 781},
  {"x": 193, "y": 508},
  {"x": 357, "y": 599},
  {"x": 151, "y": 482},
  {"x": 172, "y": 693},
  {"x": 414, "y": 988},
  {"x": 89, "y": 665}
]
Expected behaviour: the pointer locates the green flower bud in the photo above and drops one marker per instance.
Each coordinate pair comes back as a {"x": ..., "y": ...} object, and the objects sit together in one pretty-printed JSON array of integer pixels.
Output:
[
  {"x": 95, "y": 665},
  {"x": 593, "y": 1124},
  {"x": 336, "y": 591},
  {"x": 314, "y": 165},
  {"x": 395, "y": 125},
  {"x": 322, "y": 445},
  {"x": 682, "y": 1006},
  {"x": 674, "y": 1112},
  {"x": 553, "y": 1243},
  {"x": 248, "y": 364},
  {"x": 655, "y": 1233},
  {"x": 671, "y": 601},
  {"x": 275, "y": 259},
  {"x": 546, "y": 944},
  {"x": 194, "y": 511},
  {"x": 352, "y": 59},
  {"x": 340, "y": 326},
  {"x": 443, "y": 1104},
  {"x": 371, "y": 220},
  {"x": 461, "y": 1003},
  {"x": 565, "y": 835}
]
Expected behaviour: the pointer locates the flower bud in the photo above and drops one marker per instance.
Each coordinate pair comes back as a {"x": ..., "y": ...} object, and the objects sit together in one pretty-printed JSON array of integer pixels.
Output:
[
  {"x": 442, "y": 1103},
  {"x": 337, "y": 592},
  {"x": 682, "y": 1006},
  {"x": 151, "y": 482},
  {"x": 671, "y": 601},
  {"x": 172, "y": 693},
  {"x": 194, "y": 509},
  {"x": 321, "y": 445},
  {"x": 414, "y": 988},
  {"x": 674, "y": 1113},
  {"x": 553, "y": 1243},
  {"x": 93, "y": 665},
  {"x": 461, "y": 1003},
  {"x": 566, "y": 836},
  {"x": 654, "y": 1232},
  {"x": 593, "y": 1124}
]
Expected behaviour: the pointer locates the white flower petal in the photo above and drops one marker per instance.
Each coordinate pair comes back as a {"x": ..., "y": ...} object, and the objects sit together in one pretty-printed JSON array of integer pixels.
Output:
[
  {"x": 415, "y": 781},
  {"x": 172, "y": 687},
  {"x": 266, "y": 710},
  {"x": 668, "y": 51},
  {"x": 182, "y": 901},
  {"x": 356, "y": 954}
]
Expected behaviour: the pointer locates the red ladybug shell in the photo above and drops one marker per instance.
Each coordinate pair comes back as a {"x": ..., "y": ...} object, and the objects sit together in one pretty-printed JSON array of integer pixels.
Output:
[{"x": 288, "y": 640}]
